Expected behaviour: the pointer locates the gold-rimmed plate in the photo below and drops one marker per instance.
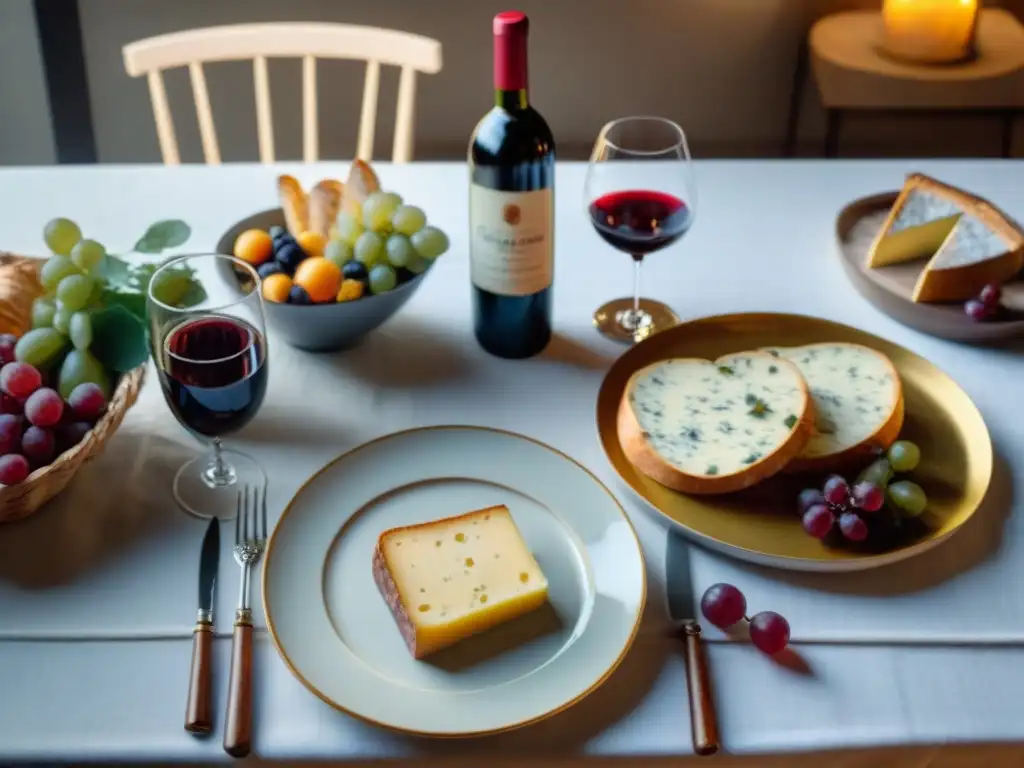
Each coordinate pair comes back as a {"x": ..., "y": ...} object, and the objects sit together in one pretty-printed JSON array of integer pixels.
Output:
[
  {"x": 336, "y": 634},
  {"x": 760, "y": 525}
]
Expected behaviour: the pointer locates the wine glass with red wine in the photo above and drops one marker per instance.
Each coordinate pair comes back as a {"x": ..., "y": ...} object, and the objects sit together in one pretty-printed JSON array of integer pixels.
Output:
[
  {"x": 641, "y": 197},
  {"x": 211, "y": 358}
]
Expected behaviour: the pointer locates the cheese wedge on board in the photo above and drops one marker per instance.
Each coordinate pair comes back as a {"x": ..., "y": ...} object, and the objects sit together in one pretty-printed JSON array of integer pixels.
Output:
[
  {"x": 706, "y": 427},
  {"x": 858, "y": 404},
  {"x": 452, "y": 578},
  {"x": 918, "y": 224}
]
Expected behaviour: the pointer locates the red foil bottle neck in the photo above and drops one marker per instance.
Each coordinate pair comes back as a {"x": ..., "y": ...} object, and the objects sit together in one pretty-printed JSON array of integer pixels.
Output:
[{"x": 511, "y": 30}]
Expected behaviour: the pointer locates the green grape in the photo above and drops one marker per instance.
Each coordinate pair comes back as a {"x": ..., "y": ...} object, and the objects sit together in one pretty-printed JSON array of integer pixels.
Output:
[
  {"x": 349, "y": 227},
  {"x": 408, "y": 219},
  {"x": 382, "y": 279},
  {"x": 369, "y": 249},
  {"x": 338, "y": 251},
  {"x": 399, "y": 250},
  {"x": 80, "y": 330},
  {"x": 61, "y": 235},
  {"x": 908, "y": 497},
  {"x": 430, "y": 242},
  {"x": 169, "y": 286},
  {"x": 40, "y": 347},
  {"x": 42, "y": 313},
  {"x": 55, "y": 269},
  {"x": 878, "y": 472},
  {"x": 62, "y": 320},
  {"x": 74, "y": 292},
  {"x": 87, "y": 254},
  {"x": 378, "y": 210},
  {"x": 417, "y": 264},
  {"x": 79, "y": 367},
  {"x": 904, "y": 455}
]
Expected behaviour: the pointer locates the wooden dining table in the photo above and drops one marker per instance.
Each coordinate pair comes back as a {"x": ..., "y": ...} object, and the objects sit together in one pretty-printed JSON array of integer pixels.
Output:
[{"x": 97, "y": 590}]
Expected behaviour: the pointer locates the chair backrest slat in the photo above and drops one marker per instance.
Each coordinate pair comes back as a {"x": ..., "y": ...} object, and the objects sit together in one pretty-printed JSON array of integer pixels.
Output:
[
  {"x": 204, "y": 113},
  {"x": 305, "y": 40}
]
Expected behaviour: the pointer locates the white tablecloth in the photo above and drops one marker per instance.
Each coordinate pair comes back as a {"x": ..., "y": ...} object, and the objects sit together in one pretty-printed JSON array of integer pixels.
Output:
[{"x": 763, "y": 241}]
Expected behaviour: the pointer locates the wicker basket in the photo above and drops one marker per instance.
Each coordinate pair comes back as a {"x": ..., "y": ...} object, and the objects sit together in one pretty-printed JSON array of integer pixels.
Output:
[{"x": 19, "y": 286}]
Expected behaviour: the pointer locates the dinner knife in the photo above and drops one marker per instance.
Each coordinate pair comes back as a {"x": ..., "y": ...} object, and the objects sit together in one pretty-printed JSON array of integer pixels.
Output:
[
  {"x": 199, "y": 710},
  {"x": 679, "y": 593}
]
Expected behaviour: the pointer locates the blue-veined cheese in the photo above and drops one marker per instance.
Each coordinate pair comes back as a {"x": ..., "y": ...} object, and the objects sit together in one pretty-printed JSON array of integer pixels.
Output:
[
  {"x": 920, "y": 221},
  {"x": 691, "y": 424},
  {"x": 858, "y": 401}
]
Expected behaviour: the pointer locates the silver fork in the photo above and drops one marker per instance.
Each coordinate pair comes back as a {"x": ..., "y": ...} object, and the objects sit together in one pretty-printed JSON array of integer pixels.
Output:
[{"x": 250, "y": 539}]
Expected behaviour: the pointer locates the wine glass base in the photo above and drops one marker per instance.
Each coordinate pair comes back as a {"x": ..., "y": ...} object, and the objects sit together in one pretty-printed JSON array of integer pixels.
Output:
[
  {"x": 203, "y": 493},
  {"x": 611, "y": 319}
]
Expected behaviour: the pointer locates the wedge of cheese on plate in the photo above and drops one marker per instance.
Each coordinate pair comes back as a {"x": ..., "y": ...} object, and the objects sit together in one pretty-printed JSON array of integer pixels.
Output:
[
  {"x": 452, "y": 578},
  {"x": 706, "y": 427},
  {"x": 858, "y": 404},
  {"x": 967, "y": 241}
]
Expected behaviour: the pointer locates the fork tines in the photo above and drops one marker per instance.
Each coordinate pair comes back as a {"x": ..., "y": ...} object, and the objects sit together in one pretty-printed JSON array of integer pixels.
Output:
[{"x": 251, "y": 516}]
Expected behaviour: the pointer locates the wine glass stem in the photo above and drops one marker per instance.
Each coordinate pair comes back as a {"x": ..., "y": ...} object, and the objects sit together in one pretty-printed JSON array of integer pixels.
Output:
[
  {"x": 638, "y": 260},
  {"x": 220, "y": 471}
]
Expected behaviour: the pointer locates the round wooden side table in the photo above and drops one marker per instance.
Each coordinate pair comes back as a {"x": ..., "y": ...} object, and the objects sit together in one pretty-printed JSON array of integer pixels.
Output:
[{"x": 853, "y": 74}]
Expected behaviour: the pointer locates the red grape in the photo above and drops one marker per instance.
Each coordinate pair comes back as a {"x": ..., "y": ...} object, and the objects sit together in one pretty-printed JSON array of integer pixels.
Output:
[
  {"x": 19, "y": 379},
  {"x": 10, "y": 404},
  {"x": 723, "y": 605},
  {"x": 990, "y": 296},
  {"x": 853, "y": 527},
  {"x": 818, "y": 520},
  {"x": 808, "y": 498},
  {"x": 836, "y": 490},
  {"x": 13, "y": 469},
  {"x": 10, "y": 433},
  {"x": 868, "y": 497},
  {"x": 7, "y": 342},
  {"x": 70, "y": 435},
  {"x": 87, "y": 401},
  {"x": 38, "y": 444},
  {"x": 977, "y": 311},
  {"x": 44, "y": 407},
  {"x": 769, "y": 632}
]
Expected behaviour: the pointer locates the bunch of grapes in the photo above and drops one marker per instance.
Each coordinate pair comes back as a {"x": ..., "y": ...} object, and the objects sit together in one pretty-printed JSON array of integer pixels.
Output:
[
  {"x": 725, "y": 606},
  {"x": 36, "y": 423},
  {"x": 852, "y": 508},
  {"x": 986, "y": 306},
  {"x": 384, "y": 242}
]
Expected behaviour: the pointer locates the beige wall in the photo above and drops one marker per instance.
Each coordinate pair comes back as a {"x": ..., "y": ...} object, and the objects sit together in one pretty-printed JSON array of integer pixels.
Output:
[
  {"x": 26, "y": 136},
  {"x": 721, "y": 67}
]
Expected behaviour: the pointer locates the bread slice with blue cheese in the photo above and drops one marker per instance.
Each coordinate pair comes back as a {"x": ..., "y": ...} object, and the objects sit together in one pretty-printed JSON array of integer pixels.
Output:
[
  {"x": 704, "y": 427},
  {"x": 858, "y": 404}
]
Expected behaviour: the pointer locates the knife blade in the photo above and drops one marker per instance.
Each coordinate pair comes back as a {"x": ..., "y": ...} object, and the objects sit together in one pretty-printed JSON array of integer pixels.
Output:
[
  {"x": 199, "y": 710},
  {"x": 680, "y": 598}
]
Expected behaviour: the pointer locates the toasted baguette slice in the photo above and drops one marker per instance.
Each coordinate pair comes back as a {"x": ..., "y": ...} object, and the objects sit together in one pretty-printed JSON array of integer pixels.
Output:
[
  {"x": 294, "y": 204},
  {"x": 361, "y": 183},
  {"x": 705, "y": 427},
  {"x": 452, "y": 578},
  {"x": 324, "y": 203},
  {"x": 858, "y": 404}
]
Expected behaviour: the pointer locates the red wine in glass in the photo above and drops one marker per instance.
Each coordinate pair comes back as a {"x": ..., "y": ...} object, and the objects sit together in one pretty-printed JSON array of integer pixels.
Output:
[
  {"x": 214, "y": 373},
  {"x": 640, "y": 221}
]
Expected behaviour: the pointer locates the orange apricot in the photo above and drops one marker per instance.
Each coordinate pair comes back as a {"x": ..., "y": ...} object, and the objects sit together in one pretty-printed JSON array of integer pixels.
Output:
[
  {"x": 320, "y": 278},
  {"x": 312, "y": 243},
  {"x": 276, "y": 287},
  {"x": 350, "y": 290},
  {"x": 254, "y": 246}
]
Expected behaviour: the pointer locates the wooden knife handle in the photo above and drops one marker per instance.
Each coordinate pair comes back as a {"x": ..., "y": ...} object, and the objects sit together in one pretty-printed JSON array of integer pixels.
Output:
[
  {"x": 238, "y": 723},
  {"x": 199, "y": 710},
  {"x": 703, "y": 723}
]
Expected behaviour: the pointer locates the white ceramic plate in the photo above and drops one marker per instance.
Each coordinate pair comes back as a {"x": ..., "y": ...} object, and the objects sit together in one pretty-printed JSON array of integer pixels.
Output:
[{"x": 335, "y": 633}]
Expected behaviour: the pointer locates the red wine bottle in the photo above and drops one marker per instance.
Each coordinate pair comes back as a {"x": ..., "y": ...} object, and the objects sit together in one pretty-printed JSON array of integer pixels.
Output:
[{"x": 511, "y": 207}]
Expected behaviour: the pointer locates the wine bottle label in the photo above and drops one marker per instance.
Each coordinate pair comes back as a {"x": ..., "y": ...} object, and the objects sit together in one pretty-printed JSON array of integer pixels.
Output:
[{"x": 511, "y": 245}]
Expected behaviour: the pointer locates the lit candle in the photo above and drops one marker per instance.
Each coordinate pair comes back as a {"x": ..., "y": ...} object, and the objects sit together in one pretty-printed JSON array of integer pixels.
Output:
[{"x": 929, "y": 31}]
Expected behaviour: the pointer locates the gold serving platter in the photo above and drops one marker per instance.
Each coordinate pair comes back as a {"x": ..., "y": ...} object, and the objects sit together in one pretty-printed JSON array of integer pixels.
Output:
[{"x": 760, "y": 524}]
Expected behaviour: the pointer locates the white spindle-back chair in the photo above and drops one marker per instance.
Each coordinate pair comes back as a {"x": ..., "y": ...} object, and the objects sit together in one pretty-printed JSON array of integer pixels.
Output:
[{"x": 308, "y": 41}]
